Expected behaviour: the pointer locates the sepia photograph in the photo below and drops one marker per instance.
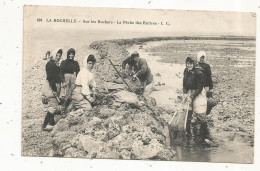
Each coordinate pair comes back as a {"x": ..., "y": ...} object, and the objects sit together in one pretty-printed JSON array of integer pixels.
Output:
[{"x": 138, "y": 84}]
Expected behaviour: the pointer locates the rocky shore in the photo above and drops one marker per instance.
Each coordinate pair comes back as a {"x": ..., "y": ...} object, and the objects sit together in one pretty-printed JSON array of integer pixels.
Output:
[{"x": 121, "y": 129}]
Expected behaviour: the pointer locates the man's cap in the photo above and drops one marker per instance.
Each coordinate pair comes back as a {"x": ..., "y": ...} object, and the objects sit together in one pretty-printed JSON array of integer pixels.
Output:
[{"x": 134, "y": 54}]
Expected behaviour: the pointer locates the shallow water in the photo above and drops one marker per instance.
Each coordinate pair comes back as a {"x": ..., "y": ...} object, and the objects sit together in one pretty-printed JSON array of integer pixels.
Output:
[{"x": 232, "y": 147}]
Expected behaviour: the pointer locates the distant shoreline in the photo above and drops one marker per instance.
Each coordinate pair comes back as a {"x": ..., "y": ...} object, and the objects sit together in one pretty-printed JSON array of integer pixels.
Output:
[{"x": 131, "y": 41}]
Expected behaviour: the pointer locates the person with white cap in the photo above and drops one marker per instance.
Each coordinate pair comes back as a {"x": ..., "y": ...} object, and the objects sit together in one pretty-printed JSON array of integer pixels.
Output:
[
  {"x": 208, "y": 85},
  {"x": 201, "y": 58}
]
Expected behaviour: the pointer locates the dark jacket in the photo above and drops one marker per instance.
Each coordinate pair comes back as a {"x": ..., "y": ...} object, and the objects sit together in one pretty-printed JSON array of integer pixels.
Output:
[
  {"x": 207, "y": 73},
  {"x": 193, "y": 80},
  {"x": 53, "y": 74},
  {"x": 69, "y": 66},
  {"x": 130, "y": 61},
  {"x": 141, "y": 69}
]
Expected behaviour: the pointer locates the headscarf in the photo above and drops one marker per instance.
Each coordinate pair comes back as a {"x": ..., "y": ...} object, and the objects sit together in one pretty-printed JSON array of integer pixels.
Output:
[
  {"x": 71, "y": 50},
  {"x": 87, "y": 59},
  {"x": 200, "y": 54},
  {"x": 54, "y": 53},
  {"x": 85, "y": 62}
]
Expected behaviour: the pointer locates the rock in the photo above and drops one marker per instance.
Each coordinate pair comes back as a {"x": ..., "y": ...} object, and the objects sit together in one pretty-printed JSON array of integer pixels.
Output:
[
  {"x": 153, "y": 150},
  {"x": 100, "y": 135},
  {"x": 79, "y": 129},
  {"x": 165, "y": 154},
  {"x": 62, "y": 125},
  {"x": 89, "y": 145},
  {"x": 114, "y": 86},
  {"x": 113, "y": 129},
  {"x": 109, "y": 153},
  {"x": 125, "y": 154},
  {"x": 77, "y": 113},
  {"x": 61, "y": 141},
  {"x": 73, "y": 152},
  {"x": 126, "y": 97},
  {"x": 106, "y": 112},
  {"x": 117, "y": 104},
  {"x": 94, "y": 121},
  {"x": 146, "y": 137}
]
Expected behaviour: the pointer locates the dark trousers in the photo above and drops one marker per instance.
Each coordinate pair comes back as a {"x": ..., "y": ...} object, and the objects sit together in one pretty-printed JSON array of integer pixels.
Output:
[{"x": 49, "y": 119}]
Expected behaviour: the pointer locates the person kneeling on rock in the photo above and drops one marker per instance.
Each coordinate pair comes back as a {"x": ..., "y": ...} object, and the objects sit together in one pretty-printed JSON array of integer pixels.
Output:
[
  {"x": 84, "y": 93},
  {"x": 193, "y": 87},
  {"x": 141, "y": 71},
  {"x": 51, "y": 89}
]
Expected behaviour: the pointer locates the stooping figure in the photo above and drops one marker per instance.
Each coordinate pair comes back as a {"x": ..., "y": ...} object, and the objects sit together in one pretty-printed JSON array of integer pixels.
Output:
[
  {"x": 141, "y": 71},
  {"x": 51, "y": 89},
  {"x": 84, "y": 93},
  {"x": 69, "y": 71},
  {"x": 193, "y": 87}
]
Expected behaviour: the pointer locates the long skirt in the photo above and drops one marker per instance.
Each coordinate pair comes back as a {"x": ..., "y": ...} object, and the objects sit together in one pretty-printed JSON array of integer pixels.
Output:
[{"x": 199, "y": 105}]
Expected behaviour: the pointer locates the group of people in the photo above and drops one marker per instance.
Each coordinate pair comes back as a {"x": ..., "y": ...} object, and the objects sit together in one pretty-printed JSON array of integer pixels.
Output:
[
  {"x": 197, "y": 87},
  {"x": 80, "y": 85}
]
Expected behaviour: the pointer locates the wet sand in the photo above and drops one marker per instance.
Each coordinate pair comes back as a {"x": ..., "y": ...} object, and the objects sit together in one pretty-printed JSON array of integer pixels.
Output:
[{"x": 229, "y": 131}]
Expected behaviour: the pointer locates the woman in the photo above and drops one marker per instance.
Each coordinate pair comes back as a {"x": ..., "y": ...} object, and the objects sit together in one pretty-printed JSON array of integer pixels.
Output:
[
  {"x": 69, "y": 71},
  {"x": 84, "y": 92},
  {"x": 208, "y": 85},
  {"x": 51, "y": 89},
  {"x": 201, "y": 58},
  {"x": 193, "y": 86}
]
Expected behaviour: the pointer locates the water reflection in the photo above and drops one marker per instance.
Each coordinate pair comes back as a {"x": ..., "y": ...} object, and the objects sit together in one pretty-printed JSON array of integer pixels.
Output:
[{"x": 190, "y": 147}]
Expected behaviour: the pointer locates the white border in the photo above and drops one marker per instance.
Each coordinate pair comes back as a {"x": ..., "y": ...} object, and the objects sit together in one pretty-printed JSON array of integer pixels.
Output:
[{"x": 11, "y": 37}]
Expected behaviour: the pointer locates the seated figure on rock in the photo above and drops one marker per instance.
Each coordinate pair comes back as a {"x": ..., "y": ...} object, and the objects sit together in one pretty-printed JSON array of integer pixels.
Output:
[{"x": 84, "y": 92}]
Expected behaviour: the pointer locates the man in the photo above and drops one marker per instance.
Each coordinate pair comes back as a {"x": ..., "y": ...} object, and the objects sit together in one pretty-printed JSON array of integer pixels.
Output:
[
  {"x": 141, "y": 71},
  {"x": 51, "y": 89},
  {"x": 69, "y": 71},
  {"x": 84, "y": 93}
]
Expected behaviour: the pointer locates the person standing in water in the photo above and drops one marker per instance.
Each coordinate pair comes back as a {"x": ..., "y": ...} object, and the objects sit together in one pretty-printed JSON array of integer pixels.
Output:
[
  {"x": 201, "y": 58},
  {"x": 208, "y": 85},
  {"x": 193, "y": 87}
]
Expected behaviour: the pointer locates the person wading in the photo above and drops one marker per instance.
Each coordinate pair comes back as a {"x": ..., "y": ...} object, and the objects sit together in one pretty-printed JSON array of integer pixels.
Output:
[
  {"x": 85, "y": 90},
  {"x": 51, "y": 89},
  {"x": 69, "y": 71},
  {"x": 201, "y": 58},
  {"x": 193, "y": 87},
  {"x": 141, "y": 71}
]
